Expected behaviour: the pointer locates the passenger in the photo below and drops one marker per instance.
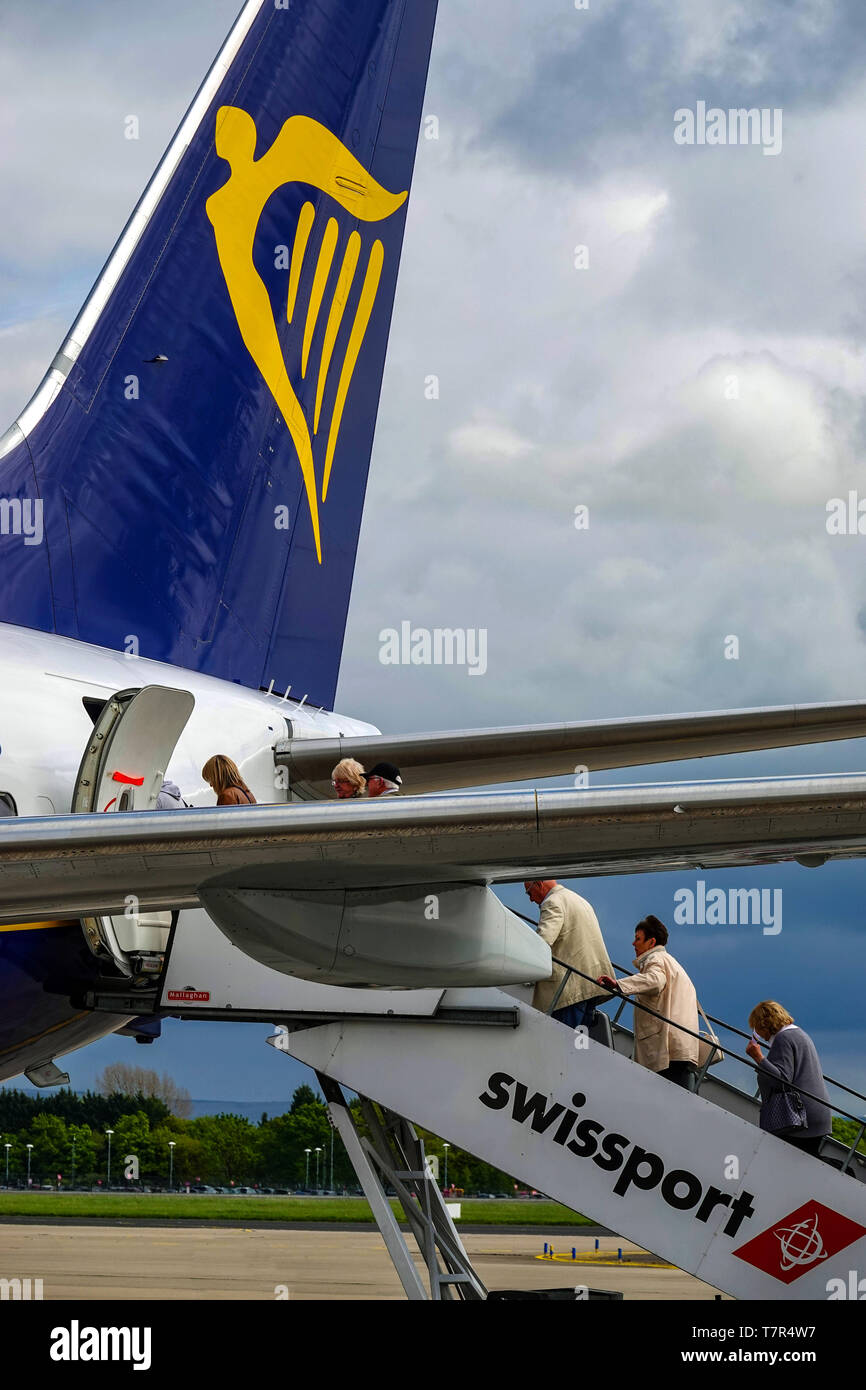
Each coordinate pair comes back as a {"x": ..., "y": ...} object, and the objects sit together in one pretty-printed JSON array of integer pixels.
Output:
[
  {"x": 347, "y": 779},
  {"x": 792, "y": 1060},
  {"x": 170, "y": 798},
  {"x": 384, "y": 780},
  {"x": 570, "y": 927},
  {"x": 224, "y": 777},
  {"x": 664, "y": 987}
]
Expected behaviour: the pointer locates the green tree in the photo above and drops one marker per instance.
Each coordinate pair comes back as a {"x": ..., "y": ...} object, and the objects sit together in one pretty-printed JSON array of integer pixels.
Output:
[
  {"x": 191, "y": 1163},
  {"x": 79, "y": 1170},
  {"x": 304, "y": 1095},
  {"x": 228, "y": 1145},
  {"x": 48, "y": 1136},
  {"x": 309, "y": 1130},
  {"x": 284, "y": 1139},
  {"x": 131, "y": 1138}
]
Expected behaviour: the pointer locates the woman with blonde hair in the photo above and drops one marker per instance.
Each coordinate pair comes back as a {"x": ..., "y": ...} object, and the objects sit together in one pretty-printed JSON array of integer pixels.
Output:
[
  {"x": 348, "y": 780},
  {"x": 224, "y": 777},
  {"x": 791, "y": 1061}
]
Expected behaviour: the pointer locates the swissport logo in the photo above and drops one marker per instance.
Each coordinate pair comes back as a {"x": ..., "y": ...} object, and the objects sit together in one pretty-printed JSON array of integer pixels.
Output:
[
  {"x": 638, "y": 1168},
  {"x": 188, "y": 996},
  {"x": 797, "y": 1243}
]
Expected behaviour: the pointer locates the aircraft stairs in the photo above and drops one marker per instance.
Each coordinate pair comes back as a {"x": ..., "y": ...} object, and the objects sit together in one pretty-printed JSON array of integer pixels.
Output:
[
  {"x": 687, "y": 1176},
  {"x": 690, "y": 1177}
]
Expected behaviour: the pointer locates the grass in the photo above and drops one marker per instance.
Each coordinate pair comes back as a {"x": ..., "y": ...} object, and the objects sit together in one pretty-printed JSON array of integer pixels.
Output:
[{"x": 104, "y": 1206}]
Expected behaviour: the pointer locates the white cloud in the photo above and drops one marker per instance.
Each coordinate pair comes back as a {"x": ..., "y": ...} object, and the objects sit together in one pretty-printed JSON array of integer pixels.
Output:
[{"x": 488, "y": 442}]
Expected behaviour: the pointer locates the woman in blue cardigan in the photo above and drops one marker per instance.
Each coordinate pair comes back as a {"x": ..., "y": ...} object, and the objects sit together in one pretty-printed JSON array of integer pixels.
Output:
[{"x": 791, "y": 1061}]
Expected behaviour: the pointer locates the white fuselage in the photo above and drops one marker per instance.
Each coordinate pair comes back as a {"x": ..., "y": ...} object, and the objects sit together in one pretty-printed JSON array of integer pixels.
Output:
[
  {"x": 44, "y": 731},
  {"x": 45, "y": 727}
]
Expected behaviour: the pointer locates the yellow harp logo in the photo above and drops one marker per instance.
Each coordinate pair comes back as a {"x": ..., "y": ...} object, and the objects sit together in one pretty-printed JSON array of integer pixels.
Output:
[{"x": 303, "y": 152}]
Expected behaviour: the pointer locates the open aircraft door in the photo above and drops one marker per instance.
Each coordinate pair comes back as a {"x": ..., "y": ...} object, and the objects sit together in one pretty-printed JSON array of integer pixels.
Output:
[{"x": 123, "y": 769}]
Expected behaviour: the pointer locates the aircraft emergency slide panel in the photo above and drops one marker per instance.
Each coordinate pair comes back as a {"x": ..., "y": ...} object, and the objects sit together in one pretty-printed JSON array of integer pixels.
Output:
[{"x": 441, "y": 934}]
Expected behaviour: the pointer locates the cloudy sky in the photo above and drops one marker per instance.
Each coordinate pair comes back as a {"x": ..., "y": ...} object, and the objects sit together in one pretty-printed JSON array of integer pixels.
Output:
[{"x": 698, "y": 385}]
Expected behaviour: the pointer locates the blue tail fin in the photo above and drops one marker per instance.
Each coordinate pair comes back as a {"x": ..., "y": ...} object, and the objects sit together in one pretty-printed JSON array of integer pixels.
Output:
[{"x": 201, "y": 445}]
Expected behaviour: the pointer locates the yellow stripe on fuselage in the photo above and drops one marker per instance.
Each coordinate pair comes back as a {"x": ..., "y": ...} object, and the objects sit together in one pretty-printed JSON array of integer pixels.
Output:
[
  {"x": 36, "y": 926},
  {"x": 55, "y": 1027}
]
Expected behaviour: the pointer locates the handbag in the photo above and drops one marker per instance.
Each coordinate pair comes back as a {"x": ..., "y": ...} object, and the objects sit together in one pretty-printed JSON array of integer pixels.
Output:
[
  {"x": 709, "y": 1048},
  {"x": 783, "y": 1112}
]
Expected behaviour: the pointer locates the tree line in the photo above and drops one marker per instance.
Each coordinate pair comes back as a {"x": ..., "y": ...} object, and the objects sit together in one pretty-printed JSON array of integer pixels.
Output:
[
  {"x": 69, "y": 1145},
  {"x": 67, "y": 1134}
]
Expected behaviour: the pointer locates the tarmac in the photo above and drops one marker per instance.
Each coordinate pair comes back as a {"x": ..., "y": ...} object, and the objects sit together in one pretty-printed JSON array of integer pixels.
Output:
[{"x": 144, "y": 1263}]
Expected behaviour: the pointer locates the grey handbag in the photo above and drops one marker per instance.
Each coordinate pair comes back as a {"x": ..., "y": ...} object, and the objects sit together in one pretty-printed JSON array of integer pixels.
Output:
[
  {"x": 710, "y": 1051},
  {"x": 784, "y": 1112}
]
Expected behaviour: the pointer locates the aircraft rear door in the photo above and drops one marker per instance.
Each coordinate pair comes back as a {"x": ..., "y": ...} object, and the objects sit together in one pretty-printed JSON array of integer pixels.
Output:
[{"x": 123, "y": 769}]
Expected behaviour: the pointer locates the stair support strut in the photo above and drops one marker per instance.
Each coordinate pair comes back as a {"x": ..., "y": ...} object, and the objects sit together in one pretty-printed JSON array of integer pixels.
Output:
[{"x": 393, "y": 1155}]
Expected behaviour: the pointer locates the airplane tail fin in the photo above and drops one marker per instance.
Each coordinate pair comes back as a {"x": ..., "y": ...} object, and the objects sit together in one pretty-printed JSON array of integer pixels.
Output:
[{"x": 197, "y": 456}]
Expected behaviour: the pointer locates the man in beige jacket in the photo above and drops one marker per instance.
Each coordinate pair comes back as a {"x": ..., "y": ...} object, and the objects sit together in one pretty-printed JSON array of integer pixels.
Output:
[
  {"x": 665, "y": 987},
  {"x": 570, "y": 927}
]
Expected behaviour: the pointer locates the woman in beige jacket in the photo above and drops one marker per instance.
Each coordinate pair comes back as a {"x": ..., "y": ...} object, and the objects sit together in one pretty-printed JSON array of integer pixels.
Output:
[{"x": 664, "y": 987}]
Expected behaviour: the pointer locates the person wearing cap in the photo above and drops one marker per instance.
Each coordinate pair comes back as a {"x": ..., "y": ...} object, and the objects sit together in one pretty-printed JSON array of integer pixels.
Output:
[{"x": 384, "y": 780}]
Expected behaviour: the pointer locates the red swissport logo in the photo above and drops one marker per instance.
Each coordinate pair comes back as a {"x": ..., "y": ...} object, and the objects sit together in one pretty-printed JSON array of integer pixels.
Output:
[
  {"x": 189, "y": 996},
  {"x": 799, "y": 1242}
]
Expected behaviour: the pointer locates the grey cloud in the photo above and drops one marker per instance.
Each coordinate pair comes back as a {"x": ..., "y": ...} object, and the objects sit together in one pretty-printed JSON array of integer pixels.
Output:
[
  {"x": 704, "y": 521},
  {"x": 70, "y": 76},
  {"x": 614, "y": 75}
]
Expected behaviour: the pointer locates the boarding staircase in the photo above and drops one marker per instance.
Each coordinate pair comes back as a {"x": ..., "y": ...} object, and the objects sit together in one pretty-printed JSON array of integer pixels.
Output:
[
  {"x": 684, "y": 1176},
  {"x": 687, "y": 1176}
]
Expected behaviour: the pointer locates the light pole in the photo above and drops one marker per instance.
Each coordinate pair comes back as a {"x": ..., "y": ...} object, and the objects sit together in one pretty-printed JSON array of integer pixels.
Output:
[
  {"x": 29, "y": 1147},
  {"x": 171, "y": 1144},
  {"x": 307, "y": 1174},
  {"x": 318, "y": 1151},
  {"x": 331, "y": 1183},
  {"x": 446, "y": 1147},
  {"x": 8, "y": 1147},
  {"x": 73, "y": 1162},
  {"x": 109, "y": 1133}
]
